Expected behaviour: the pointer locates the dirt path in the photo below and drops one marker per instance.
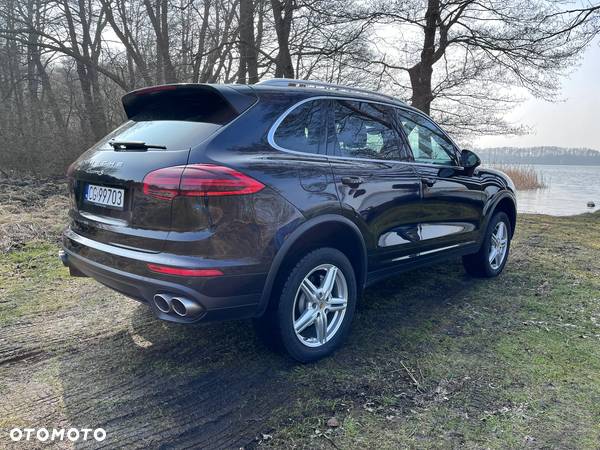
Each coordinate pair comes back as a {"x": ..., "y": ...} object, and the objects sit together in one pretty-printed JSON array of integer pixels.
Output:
[
  {"x": 114, "y": 366},
  {"x": 75, "y": 354}
]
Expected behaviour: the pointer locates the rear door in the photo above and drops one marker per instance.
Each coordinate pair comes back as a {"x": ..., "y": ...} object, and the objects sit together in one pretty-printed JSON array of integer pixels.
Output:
[
  {"x": 109, "y": 204},
  {"x": 451, "y": 203},
  {"x": 376, "y": 187},
  {"x": 303, "y": 132}
]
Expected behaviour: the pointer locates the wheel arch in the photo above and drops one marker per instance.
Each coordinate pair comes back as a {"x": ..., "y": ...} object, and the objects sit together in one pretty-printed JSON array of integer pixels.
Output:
[
  {"x": 329, "y": 230},
  {"x": 507, "y": 204}
]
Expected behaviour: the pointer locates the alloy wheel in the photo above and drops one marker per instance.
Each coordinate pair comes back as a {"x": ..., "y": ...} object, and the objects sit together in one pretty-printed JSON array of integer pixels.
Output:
[
  {"x": 320, "y": 305},
  {"x": 498, "y": 245}
]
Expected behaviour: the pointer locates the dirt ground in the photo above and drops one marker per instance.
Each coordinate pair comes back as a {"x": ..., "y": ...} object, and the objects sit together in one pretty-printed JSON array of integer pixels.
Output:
[{"x": 435, "y": 359}]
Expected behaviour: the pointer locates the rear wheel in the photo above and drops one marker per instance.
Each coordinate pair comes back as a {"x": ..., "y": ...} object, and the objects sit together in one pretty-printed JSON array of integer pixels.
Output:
[
  {"x": 316, "y": 305},
  {"x": 491, "y": 258}
]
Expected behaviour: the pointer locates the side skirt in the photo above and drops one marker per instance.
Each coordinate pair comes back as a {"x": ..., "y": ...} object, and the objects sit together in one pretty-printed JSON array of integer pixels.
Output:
[{"x": 422, "y": 259}]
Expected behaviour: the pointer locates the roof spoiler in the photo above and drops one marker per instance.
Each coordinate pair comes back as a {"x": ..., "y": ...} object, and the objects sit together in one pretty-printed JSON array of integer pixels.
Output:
[{"x": 238, "y": 97}]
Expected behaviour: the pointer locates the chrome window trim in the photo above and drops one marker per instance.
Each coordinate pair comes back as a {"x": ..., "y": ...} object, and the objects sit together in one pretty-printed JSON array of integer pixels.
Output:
[{"x": 281, "y": 118}]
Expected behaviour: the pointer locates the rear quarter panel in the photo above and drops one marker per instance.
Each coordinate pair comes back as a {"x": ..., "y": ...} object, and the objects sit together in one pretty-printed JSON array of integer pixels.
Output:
[
  {"x": 299, "y": 186},
  {"x": 252, "y": 227}
]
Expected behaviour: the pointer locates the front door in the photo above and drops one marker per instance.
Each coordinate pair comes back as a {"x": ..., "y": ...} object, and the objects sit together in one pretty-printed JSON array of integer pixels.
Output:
[
  {"x": 378, "y": 190},
  {"x": 451, "y": 202}
]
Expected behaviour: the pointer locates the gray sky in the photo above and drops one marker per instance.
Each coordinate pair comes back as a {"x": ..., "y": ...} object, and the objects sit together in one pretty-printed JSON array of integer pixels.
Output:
[{"x": 572, "y": 122}]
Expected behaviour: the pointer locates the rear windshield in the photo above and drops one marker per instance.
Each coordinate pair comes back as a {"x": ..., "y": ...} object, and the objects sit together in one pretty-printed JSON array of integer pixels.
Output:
[
  {"x": 173, "y": 134},
  {"x": 176, "y": 120}
]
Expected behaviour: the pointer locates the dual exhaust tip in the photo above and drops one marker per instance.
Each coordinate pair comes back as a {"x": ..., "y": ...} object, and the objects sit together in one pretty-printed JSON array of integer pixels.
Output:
[{"x": 183, "y": 307}]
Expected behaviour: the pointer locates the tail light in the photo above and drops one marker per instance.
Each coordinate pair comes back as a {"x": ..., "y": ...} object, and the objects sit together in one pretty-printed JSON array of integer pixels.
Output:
[{"x": 198, "y": 180}]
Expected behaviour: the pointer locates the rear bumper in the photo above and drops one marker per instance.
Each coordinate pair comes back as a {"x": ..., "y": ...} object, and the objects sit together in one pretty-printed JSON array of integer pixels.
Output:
[{"x": 234, "y": 295}]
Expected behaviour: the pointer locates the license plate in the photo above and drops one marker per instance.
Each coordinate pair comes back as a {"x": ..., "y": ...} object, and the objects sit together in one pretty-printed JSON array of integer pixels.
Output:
[{"x": 105, "y": 196}]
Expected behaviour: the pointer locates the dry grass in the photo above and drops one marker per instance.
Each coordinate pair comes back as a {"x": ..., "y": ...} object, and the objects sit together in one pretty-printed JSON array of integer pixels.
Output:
[
  {"x": 31, "y": 210},
  {"x": 524, "y": 177}
]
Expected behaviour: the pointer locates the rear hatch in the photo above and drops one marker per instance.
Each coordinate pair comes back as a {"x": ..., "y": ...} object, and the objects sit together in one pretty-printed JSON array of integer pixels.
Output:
[{"x": 109, "y": 204}]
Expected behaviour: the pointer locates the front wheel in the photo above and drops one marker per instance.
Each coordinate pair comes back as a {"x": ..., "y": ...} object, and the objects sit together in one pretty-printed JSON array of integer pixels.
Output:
[
  {"x": 316, "y": 305},
  {"x": 493, "y": 254}
]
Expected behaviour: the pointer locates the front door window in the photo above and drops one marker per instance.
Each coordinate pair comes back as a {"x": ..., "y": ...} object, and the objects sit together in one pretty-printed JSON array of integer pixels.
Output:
[{"x": 428, "y": 143}]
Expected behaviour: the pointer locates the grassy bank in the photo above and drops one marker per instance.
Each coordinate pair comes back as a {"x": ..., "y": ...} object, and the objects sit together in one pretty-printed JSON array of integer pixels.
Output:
[
  {"x": 446, "y": 361},
  {"x": 435, "y": 359}
]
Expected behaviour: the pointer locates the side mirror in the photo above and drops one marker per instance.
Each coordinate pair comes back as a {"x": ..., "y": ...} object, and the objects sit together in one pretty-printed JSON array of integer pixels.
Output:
[{"x": 469, "y": 161}]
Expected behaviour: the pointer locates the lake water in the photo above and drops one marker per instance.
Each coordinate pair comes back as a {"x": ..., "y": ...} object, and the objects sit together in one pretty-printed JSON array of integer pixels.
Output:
[{"x": 569, "y": 189}]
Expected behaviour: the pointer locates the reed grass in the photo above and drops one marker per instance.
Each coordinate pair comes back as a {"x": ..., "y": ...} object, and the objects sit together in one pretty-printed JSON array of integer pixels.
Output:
[{"x": 524, "y": 177}]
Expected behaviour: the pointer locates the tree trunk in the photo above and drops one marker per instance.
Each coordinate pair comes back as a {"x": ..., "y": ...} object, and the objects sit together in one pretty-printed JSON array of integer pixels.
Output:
[
  {"x": 52, "y": 102},
  {"x": 170, "y": 75},
  {"x": 282, "y": 12},
  {"x": 88, "y": 77},
  {"x": 199, "y": 57},
  {"x": 32, "y": 77},
  {"x": 420, "y": 80},
  {"x": 248, "y": 53},
  {"x": 159, "y": 19},
  {"x": 124, "y": 34},
  {"x": 421, "y": 73}
]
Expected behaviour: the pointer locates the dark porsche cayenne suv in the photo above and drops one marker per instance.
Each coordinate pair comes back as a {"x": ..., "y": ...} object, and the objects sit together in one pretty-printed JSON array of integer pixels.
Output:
[{"x": 279, "y": 201}]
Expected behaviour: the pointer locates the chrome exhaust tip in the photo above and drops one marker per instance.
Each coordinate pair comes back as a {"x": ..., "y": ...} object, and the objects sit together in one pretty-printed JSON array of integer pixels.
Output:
[
  {"x": 163, "y": 302},
  {"x": 185, "y": 307}
]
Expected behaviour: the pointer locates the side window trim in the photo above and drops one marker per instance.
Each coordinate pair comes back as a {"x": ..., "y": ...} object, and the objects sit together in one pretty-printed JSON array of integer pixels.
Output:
[
  {"x": 280, "y": 119},
  {"x": 403, "y": 136}
]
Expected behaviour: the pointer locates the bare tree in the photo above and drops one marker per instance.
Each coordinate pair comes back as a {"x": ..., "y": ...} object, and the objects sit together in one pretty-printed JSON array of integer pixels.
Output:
[
  {"x": 248, "y": 65},
  {"x": 462, "y": 59},
  {"x": 283, "y": 11},
  {"x": 65, "y": 63},
  {"x": 158, "y": 14}
]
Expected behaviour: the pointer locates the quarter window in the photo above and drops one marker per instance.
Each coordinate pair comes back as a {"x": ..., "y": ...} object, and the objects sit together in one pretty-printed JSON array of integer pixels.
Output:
[
  {"x": 301, "y": 130},
  {"x": 366, "y": 130},
  {"x": 428, "y": 143}
]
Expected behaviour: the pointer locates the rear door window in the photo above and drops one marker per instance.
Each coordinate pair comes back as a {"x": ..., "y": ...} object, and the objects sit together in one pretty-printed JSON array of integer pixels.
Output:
[
  {"x": 302, "y": 130},
  {"x": 367, "y": 130}
]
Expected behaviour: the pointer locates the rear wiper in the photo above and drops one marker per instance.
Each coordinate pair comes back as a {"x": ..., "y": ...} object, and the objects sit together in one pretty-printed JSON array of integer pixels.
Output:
[{"x": 134, "y": 145}]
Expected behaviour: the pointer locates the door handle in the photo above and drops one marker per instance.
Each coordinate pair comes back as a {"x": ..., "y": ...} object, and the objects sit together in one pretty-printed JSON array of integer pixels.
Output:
[
  {"x": 353, "y": 182},
  {"x": 429, "y": 182}
]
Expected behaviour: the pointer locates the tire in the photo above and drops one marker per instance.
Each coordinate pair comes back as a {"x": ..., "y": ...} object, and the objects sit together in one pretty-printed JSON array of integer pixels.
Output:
[
  {"x": 298, "y": 320},
  {"x": 481, "y": 264}
]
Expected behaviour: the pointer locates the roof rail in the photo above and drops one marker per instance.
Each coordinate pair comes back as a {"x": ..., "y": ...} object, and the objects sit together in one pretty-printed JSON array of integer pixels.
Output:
[{"x": 323, "y": 85}]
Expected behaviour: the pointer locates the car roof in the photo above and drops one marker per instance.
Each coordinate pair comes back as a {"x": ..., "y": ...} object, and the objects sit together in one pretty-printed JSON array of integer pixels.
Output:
[
  {"x": 342, "y": 92},
  {"x": 300, "y": 89}
]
